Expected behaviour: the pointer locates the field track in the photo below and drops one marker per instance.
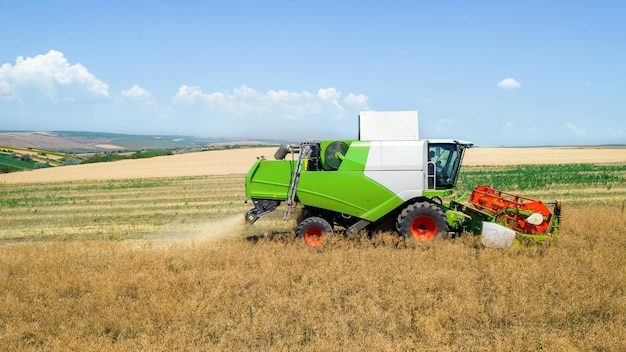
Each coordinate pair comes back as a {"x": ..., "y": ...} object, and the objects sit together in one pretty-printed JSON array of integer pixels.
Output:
[{"x": 238, "y": 161}]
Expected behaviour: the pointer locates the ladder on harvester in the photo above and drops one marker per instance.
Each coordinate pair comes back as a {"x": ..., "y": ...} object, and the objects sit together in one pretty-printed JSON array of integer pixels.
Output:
[{"x": 291, "y": 197}]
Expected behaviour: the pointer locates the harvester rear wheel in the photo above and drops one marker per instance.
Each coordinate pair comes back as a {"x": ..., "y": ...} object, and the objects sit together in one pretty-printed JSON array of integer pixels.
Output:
[
  {"x": 315, "y": 232},
  {"x": 422, "y": 221}
]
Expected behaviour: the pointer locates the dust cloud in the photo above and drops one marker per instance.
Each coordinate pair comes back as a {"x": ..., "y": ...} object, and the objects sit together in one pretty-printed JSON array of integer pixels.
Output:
[{"x": 210, "y": 231}]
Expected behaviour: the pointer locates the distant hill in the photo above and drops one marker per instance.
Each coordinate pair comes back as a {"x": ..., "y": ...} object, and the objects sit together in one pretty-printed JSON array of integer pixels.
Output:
[{"x": 89, "y": 142}]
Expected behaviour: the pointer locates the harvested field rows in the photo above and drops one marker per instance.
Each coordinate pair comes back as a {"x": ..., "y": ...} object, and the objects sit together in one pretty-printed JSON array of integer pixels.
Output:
[
  {"x": 117, "y": 208},
  {"x": 141, "y": 207}
]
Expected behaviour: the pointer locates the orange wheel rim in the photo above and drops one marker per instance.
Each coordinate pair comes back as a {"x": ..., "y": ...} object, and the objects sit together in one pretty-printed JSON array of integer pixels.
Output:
[
  {"x": 423, "y": 228},
  {"x": 314, "y": 237}
]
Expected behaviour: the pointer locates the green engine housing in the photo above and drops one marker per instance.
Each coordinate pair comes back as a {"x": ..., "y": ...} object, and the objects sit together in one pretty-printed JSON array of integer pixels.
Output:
[{"x": 354, "y": 181}]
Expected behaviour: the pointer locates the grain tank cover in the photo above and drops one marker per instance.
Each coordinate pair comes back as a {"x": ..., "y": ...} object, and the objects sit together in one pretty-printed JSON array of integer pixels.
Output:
[{"x": 388, "y": 126}]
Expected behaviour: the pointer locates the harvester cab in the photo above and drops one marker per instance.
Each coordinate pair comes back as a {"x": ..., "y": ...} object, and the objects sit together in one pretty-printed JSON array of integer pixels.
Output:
[{"x": 387, "y": 179}]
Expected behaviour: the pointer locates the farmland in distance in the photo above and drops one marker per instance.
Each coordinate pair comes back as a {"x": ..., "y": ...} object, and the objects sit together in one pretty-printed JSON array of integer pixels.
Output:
[{"x": 166, "y": 263}]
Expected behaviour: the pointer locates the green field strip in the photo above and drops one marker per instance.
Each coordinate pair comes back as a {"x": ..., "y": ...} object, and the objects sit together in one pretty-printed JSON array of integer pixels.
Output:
[{"x": 533, "y": 177}]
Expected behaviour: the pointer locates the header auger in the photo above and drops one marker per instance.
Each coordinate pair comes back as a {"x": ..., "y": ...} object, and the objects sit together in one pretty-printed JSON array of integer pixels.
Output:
[{"x": 389, "y": 179}]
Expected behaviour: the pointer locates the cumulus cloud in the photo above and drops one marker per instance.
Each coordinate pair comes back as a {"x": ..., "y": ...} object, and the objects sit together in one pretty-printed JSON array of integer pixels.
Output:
[
  {"x": 273, "y": 112},
  {"x": 577, "y": 131},
  {"x": 329, "y": 94},
  {"x": 47, "y": 92},
  {"x": 281, "y": 103},
  {"x": 509, "y": 83},
  {"x": 137, "y": 105},
  {"x": 332, "y": 96},
  {"x": 187, "y": 94},
  {"x": 5, "y": 89},
  {"x": 50, "y": 77},
  {"x": 356, "y": 100},
  {"x": 138, "y": 98},
  {"x": 136, "y": 92}
]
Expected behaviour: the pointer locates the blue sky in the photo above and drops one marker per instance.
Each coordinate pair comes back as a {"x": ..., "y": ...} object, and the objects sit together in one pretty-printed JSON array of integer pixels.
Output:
[{"x": 491, "y": 72}]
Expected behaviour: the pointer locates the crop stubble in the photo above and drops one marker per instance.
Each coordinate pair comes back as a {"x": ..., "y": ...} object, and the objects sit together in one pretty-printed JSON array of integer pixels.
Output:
[{"x": 178, "y": 289}]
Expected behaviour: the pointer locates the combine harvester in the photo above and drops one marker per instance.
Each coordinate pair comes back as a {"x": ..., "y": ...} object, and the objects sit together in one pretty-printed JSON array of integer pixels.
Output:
[{"x": 389, "y": 179}]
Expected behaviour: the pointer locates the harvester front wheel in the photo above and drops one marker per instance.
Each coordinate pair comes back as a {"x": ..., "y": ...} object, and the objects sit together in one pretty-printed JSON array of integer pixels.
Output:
[
  {"x": 422, "y": 221},
  {"x": 315, "y": 232}
]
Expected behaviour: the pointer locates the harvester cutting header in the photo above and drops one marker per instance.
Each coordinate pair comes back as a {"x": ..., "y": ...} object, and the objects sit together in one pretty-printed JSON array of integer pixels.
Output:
[{"x": 389, "y": 179}]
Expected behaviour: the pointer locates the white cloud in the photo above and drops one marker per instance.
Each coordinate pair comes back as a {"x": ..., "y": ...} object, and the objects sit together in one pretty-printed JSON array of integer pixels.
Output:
[
  {"x": 137, "y": 105},
  {"x": 188, "y": 94},
  {"x": 577, "y": 131},
  {"x": 50, "y": 77},
  {"x": 284, "y": 95},
  {"x": 509, "y": 83},
  {"x": 136, "y": 92},
  {"x": 300, "y": 113},
  {"x": 6, "y": 91},
  {"x": 47, "y": 92},
  {"x": 281, "y": 102},
  {"x": 328, "y": 94},
  {"x": 331, "y": 95},
  {"x": 356, "y": 100}
]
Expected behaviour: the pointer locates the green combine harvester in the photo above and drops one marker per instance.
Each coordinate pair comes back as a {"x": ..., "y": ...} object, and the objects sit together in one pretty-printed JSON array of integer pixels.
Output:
[{"x": 390, "y": 180}]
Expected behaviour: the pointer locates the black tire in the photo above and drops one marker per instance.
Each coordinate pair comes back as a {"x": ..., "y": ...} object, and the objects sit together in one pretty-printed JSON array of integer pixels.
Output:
[
  {"x": 315, "y": 232},
  {"x": 422, "y": 221}
]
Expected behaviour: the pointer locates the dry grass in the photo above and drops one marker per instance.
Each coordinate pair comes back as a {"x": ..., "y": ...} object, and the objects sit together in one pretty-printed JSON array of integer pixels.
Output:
[
  {"x": 269, "y": 293},
  {"x": 166, "y": 263}
]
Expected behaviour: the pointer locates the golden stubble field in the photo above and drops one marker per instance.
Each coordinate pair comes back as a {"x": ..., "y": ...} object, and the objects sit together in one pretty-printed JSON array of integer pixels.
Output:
[{"x": 157, "y": 257}]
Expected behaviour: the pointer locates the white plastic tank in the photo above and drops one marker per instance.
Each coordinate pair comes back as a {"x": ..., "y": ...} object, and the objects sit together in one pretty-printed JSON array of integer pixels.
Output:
[
  {"x": 496, "y": 236},
  {"x": 388, "y": 126}
]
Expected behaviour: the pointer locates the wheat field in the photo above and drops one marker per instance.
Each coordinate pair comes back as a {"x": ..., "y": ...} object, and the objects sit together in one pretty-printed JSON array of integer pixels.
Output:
[
  {"x": 264, "y": 292},
  {"x": 165, "y": 262}
]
